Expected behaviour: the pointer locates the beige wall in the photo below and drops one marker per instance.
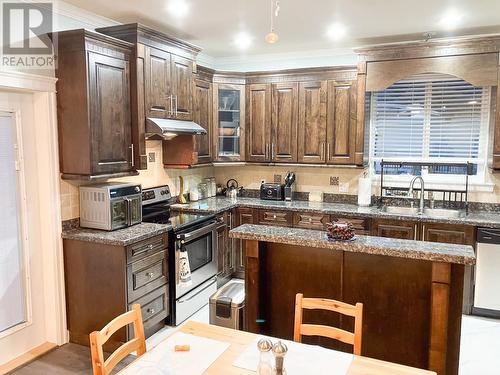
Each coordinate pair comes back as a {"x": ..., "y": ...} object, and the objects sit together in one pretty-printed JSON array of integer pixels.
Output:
[{"x": 155, "y": 175}]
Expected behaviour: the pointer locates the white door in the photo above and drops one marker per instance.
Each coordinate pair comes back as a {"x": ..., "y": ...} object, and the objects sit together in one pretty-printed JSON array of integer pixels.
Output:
[{"x": 22, "y": 303}]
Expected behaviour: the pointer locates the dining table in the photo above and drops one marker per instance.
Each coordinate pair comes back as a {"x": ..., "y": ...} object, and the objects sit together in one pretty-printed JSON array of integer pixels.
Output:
[{"x": 239, "y": 341}]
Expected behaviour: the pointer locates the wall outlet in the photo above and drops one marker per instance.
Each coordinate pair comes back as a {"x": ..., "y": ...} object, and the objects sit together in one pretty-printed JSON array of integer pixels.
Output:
[
  {"x": 151, "y": 157},
  {"x": 334, "y": 180},
  {"x": 344, "y": 187},
  {"x": 262, "y": 181},
  {"x": 277, "y": 179}
]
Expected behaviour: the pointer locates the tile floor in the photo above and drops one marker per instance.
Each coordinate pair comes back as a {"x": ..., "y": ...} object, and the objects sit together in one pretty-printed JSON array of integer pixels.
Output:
[{"x": 479, "y": 354}]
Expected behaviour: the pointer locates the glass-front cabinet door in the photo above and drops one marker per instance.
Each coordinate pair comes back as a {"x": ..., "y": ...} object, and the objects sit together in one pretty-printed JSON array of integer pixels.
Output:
[{"x": 230, "y": 122}]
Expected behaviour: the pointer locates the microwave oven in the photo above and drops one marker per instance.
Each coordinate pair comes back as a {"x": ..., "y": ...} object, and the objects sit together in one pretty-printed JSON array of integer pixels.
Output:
[{"x": 110, "y": 206}]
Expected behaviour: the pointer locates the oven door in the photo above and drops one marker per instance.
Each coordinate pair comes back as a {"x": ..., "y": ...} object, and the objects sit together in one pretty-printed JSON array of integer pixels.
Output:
[{"x": 200, "y": 244}]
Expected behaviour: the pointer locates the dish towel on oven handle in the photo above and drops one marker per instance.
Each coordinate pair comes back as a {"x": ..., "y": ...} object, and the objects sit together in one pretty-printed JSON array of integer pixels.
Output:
[{"x": 184, "y": 269}]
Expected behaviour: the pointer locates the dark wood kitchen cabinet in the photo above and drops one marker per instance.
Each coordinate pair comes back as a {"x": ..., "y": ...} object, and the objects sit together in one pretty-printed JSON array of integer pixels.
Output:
[
  {"x": 242, "y": 215},
  {"x": 407, "y": 230},
  {"x": 258, "y": 118},
  {"x": 312, "y": 122},
  {"x": 225, "y": 251},
  {"x": 103, "y": 281},
  {"x": 202, "y": 115},
  {"x": 449, "y": 233},
  {"x": 93, "y": 105},
  {"x": 341, "y": 122},
  {"x": 284, "y": 122}
]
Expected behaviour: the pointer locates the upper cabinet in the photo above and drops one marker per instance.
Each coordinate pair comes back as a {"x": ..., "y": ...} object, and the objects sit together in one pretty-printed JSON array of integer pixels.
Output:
[
  {"x": 203, "y": 115},
  {"x": 284, "y": 122},
  {"x": 258, "y": 117},
  {"x": 229, "y": 122},
  {"x": 93, "y": 100}
]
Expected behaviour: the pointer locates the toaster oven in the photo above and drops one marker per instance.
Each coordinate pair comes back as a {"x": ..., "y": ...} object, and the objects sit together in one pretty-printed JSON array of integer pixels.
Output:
[
  {"x": 273, "y": 192},
  {"x": 110, "y": 206}
]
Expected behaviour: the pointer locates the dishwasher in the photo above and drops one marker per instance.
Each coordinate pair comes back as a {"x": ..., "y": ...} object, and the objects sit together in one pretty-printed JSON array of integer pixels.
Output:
[{"x": 487, "y": 283}]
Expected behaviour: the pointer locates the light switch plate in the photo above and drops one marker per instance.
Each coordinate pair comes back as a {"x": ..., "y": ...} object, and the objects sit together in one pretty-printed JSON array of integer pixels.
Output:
[
  {"x": 344, "y": 187},
  {"x": 151, "y": 157}
]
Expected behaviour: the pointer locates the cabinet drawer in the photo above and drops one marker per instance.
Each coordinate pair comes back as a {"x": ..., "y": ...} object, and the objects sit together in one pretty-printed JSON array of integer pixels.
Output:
[
  {"x": 154, "y": 308},
  {"x": 361, "y": 225},
  {"x": 310, "y": 220},
  {"x": 279, "y": 218},
  {"x": 146, "y": 275},
  {"x": 147, "y": 247}
]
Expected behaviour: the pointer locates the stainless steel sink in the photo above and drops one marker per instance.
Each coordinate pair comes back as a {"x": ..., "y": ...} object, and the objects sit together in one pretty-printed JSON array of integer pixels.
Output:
[
  {"x": 400, "y": 210},
  {"x": 444, "y": 213}
]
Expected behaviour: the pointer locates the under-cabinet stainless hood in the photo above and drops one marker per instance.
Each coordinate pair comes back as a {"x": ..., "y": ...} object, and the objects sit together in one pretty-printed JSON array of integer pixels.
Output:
[{"x": 167, "y": 129}]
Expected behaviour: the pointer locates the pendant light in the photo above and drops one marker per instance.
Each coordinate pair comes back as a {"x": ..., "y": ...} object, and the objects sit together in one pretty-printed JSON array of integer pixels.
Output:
[{"x": 272, "y": 37}]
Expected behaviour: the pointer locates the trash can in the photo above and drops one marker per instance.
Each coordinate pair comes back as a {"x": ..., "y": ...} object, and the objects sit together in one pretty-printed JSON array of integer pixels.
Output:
[{"x": 227, "y": 305}]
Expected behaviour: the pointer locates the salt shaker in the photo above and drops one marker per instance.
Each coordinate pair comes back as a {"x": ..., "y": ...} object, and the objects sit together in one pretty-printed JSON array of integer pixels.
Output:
[
  {"x": 279, "y": 351},
  {"x": 265, "y": 366}
]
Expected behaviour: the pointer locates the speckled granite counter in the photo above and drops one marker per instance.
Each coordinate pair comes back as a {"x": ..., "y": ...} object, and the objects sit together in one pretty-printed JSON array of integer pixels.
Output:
[
  {"x": 435, "y": 252},
  {"x": 120, "y": 237},
  {"x": 220, "y": 204}
]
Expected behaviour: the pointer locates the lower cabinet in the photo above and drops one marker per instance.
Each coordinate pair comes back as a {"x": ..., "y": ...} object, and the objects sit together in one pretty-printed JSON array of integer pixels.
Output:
[
  {"x": 449, "y": 233},
  {"x": 406, "y": 230},
  {"x": 242, "y": 216},
  {"x": 310, "y": 220},
  {"x": 104, "y": 281},
  {"x": 225, "y": 252}
]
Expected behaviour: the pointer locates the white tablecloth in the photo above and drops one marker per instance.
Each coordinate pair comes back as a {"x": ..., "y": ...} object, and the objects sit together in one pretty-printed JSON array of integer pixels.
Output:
[
  {"x": 163, "y": 360},
  {"x": 301, "y": 359}
]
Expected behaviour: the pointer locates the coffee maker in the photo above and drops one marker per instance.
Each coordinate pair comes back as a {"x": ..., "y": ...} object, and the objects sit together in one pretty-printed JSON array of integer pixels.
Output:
[{"x": 289, "y": 186}]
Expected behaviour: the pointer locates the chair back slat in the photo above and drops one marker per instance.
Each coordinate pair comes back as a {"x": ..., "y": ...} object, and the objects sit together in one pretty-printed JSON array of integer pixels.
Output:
[
  {"x": 99, "y": 338},
  {"x": 343, "y": 308}
]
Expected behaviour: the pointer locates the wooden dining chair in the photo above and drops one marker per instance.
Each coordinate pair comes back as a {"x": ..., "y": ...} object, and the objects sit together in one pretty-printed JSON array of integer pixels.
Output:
[
  {"x": 301, "y": 329},
  {"x": 99, "y": 338}
]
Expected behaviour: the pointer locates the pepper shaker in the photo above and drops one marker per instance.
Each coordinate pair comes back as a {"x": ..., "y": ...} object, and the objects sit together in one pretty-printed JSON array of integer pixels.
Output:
[
  {"x": 279, "y": 351},
  {"x": 265, "y": 366}
]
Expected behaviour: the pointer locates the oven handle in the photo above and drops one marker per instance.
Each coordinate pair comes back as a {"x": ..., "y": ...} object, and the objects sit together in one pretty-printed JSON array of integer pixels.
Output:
[
  {"x": 198, "y": 232},
  {"x": 129, "y": 210},
  {"x": 213, "y": 279}
]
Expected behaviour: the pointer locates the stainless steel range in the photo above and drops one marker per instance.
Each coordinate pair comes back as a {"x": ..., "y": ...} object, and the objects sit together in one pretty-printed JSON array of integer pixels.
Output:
[{"x": 194, "y": 234}]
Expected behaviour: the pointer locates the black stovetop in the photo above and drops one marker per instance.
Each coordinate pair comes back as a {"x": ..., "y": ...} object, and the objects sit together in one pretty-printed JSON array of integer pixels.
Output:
[{"x": 161, "y": 214}]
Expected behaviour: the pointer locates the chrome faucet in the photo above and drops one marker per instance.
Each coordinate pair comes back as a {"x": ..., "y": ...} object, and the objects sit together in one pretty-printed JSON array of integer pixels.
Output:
[{"x": 410, "y": 192}]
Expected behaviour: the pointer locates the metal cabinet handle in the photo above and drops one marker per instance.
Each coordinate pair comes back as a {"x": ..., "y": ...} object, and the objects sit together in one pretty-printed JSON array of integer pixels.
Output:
[
  {"x": 415, "y": 232},
  {"x": 132, "y": 156},
  {"x": 423, "y": 232},
  {"x": 150, "y": 246},
  {"x": 310, "y": 219},
  {"x": 272, "y": 150},
  {"x": 175, "y": 99},
  {"x": 171, "y": 111},
  {"x": 150, "y": 274},
  {"x": 328, "y": 151},
  {"x": 274, "y": 216},
  {"x": 322, "y": 151}
]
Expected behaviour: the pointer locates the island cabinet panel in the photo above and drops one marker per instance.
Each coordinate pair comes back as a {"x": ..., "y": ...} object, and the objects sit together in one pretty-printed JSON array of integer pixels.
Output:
[
  {"x": 225, "y": 253},
  {"x": 407, "y": 230},
  {"x": 241, "y": 215},
  {"x": 202, "y": 115},
  {"x": 312, "y": 122},
  {"x": 310, "y": 220},
  {"x": 258, "y": 118},
  {"x": 341, "y": 128},
  {"x": 284, "y": 122},
  {"x": 157, "y": 79}
]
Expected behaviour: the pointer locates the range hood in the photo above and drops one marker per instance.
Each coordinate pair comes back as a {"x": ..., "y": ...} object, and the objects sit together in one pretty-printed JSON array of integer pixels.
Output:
[{"x": 166, "y": 129}]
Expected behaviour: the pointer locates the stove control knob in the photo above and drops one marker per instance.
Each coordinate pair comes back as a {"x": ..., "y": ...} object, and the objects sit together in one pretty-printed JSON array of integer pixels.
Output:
[
  {"x": 163, "y": 192},
  {"x": 137, "y": 189}
]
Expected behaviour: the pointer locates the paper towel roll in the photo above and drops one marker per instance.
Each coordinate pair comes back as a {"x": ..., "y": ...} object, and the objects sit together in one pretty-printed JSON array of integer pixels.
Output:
[{"x": 364, "y": 191}]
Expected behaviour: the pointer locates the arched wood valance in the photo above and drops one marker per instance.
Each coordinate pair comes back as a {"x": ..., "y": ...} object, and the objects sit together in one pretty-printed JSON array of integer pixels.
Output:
[{"x": 478, "y": 69}]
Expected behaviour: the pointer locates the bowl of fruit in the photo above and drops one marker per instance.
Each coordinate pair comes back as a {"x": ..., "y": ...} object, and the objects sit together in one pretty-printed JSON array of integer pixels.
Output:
[{"x": 340, "y": 231}]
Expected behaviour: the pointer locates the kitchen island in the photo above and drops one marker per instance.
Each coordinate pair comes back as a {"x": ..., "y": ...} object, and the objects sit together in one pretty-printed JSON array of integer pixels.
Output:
[{"x": 411, "y": 290}]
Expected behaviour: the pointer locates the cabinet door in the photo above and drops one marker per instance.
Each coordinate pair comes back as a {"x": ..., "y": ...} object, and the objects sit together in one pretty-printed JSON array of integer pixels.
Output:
[
  {"x": 243, "y": 216},
  {"x": 449, "y": 233},
  {"x": 284, "y": 122},
  {"x": 157, "y": 78},
  {"x": 407, "y": 230},
  {"x": 221, "y": 253},
  {"x": 182, "y": 82},
  {"x": 202, "y": 115},
  {"x": 312, "y": 122},
  {"x": 258, "y": 122},
  {"x": 341, "y": 123},
  {"x": 110, "y": 118},
  {"x": 310, "y": 220},
  {"x": 277, "y": 218}
]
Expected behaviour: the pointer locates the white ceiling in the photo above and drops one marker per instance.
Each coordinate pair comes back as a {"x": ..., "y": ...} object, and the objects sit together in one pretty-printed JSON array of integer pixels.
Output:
[{"x": 301, "y": 25}]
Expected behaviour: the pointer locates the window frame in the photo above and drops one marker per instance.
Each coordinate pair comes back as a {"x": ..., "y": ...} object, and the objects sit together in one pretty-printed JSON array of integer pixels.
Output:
[{"x": 437, "y": 180}]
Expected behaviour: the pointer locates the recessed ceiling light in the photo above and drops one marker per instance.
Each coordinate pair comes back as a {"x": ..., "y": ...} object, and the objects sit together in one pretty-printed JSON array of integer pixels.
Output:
[
  {"x": 178, "y": 8},
  {"x": 451, "y": 19},
  {"x": 242, "y": 40},
  {"x": 336, "y": 31}
]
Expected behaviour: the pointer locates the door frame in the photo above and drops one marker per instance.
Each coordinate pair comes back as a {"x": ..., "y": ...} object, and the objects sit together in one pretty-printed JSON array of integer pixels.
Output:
[{"x": 43, "y": 89}]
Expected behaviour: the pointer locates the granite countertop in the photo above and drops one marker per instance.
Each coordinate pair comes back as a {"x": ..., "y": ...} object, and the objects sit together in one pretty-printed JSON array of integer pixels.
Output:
[
  {"x": 430, "y": 251},
  {"x": 219, "y": 204},
  {"x": 120, "y": 237}
]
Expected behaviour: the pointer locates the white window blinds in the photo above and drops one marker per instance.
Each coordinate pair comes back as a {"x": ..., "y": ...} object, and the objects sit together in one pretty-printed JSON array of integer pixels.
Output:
[{"x": 430, "y": 117}]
